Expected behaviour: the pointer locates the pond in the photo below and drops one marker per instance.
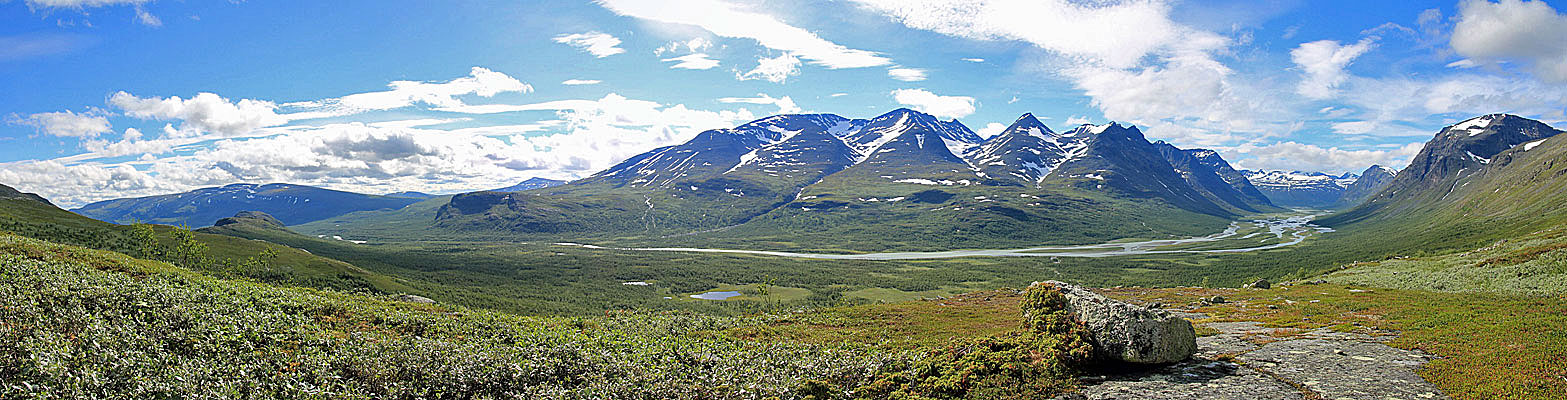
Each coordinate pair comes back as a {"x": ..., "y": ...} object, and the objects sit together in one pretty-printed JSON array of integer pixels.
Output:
[{"x": 715, "y": 295}]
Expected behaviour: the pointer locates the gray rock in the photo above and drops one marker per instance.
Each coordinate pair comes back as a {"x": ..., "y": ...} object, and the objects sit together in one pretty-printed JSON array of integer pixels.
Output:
[
  {"x": 1127, "y": 332},
  {"x": 1216, "y": 299},
  {"x": 415, "y": 299},
  {"x": 1346, "y": 369},
  {"x": 1259, "y": 284}
]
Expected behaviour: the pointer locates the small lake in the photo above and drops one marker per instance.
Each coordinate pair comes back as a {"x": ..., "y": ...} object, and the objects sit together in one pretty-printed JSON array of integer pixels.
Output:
[{"x": 715, "y": 295}]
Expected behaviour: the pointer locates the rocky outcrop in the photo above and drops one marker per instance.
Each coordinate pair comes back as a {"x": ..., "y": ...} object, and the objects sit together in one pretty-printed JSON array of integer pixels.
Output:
[
  {"x": 1129, "y": 333},
  {"x": 411, "y": 298},
  {"x": 251, "y": 217}
]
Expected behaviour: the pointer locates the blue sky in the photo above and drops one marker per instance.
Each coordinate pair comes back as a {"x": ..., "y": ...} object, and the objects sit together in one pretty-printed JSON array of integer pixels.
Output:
[{"x": 112, "y": 98}]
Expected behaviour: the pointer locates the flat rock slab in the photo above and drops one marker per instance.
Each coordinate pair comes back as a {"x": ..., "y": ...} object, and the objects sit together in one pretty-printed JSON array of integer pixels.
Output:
[
  {"x": 1318, "y": 364},
  {"x": 1345, "y": 369},
  {"x": 1194, "y": 380}
]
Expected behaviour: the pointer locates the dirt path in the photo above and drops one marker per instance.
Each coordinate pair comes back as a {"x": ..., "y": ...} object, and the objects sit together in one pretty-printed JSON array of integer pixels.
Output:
[{"x": 1247, "y": 361}]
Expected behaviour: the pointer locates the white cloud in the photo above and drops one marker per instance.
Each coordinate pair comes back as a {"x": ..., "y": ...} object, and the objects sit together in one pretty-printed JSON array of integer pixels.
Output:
[
  {"x": 66, "y": 123},
  {"x": 691, "y": 46},
  {"x": 907, "y": 74},
  {"x": 775, "y": 70},
  {"x": 693, "y": 61},
  {"x": 934, "y": 104},
  {"x": 1134, "y": 62},
  {"x": 598, "y": 44},
  {"x": 204, "y": 113},
  {"x": 480, "y": 81},
  {"x": 1069, "y": 28},
  {"x": 1530, "y": 31},
  {"x": 1077, "y": 121},
  {"x": 727, "y": 20},
  {"x": 1306, "y": 157},
  {"x": 837, "y": 95},
  {"x": 382, "y": 157},
  {"x": 1323, "y": 62},
  {"x": 974, "y": 60},
  {"x": 146, "y": 18},
  {"x": 785, "y": 104},
  {"x": 991, "y": 129},
  {"x": 574, "y": 82}
]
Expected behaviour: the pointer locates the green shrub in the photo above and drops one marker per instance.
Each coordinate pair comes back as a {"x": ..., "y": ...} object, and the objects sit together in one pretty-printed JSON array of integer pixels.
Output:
[{"x": 1036, "y": 360}]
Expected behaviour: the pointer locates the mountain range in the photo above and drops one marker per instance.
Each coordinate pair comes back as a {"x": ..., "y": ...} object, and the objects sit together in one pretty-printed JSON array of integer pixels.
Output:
[
  {"x": 903, "y": 172},
  {"x": 1297, "y": 189}
]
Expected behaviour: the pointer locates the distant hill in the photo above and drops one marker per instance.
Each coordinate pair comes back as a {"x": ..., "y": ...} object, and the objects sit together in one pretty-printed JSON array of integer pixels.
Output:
[
  {"x": 410, "y": 195},
  {"x": 291, "y": 204},
  {"x": 530, "y": 184},
  {"x": 34, "y": 218}
]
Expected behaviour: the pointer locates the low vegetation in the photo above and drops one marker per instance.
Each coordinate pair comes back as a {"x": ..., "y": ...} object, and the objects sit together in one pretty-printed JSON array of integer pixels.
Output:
[{"x": 77, "y": 323}]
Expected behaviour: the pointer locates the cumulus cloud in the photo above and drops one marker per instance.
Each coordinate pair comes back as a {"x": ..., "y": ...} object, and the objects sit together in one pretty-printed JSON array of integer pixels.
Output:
[
  {"x": 1134, "y": 62},
  {"x": 728, "y": 20},
  {"x": 934, "y": 104},
  {"x": 480, "y": 81},
  {"x": 1069, "y": 28},
  {"x": 66, "y": 123},
  {"x": 776, "y": 69},
  {"x": 907, "y": 74},
  {"x": 598, "y": 44},
  {"x": 1306, "y": 157},
  {"x": 1530, "y": 31},
  {"x": 204, "y": 113},
  {"x": 1323, "y": 62},
  {"x": 693, "y": 61},
  {"x": 991, "y": 129},
  {"x": 785, "y": 104}
]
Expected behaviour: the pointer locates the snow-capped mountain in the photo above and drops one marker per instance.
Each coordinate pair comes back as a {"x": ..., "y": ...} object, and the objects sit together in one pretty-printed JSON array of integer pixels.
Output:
[
  {"x": 1027, "y": 151},
  {"x": 1301, "y": 189},
  {"x": 292, "y": 204}
]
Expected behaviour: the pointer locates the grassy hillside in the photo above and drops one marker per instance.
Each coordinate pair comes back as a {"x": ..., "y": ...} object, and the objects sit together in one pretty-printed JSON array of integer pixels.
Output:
[
  {"x": 222, "y": 254},
  {"x": 1534, "y": 264}
]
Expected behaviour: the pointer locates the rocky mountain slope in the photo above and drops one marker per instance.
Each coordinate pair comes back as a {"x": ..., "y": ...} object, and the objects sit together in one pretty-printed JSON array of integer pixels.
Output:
[
  {"x": 1371, "y": 181},
  {"x": 1491, "y": 177},
  {"x": 292, "y": 204}
]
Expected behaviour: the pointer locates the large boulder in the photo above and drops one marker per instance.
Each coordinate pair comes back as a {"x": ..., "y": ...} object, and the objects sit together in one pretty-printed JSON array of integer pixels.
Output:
[{"x": 1125, "y": 332}]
